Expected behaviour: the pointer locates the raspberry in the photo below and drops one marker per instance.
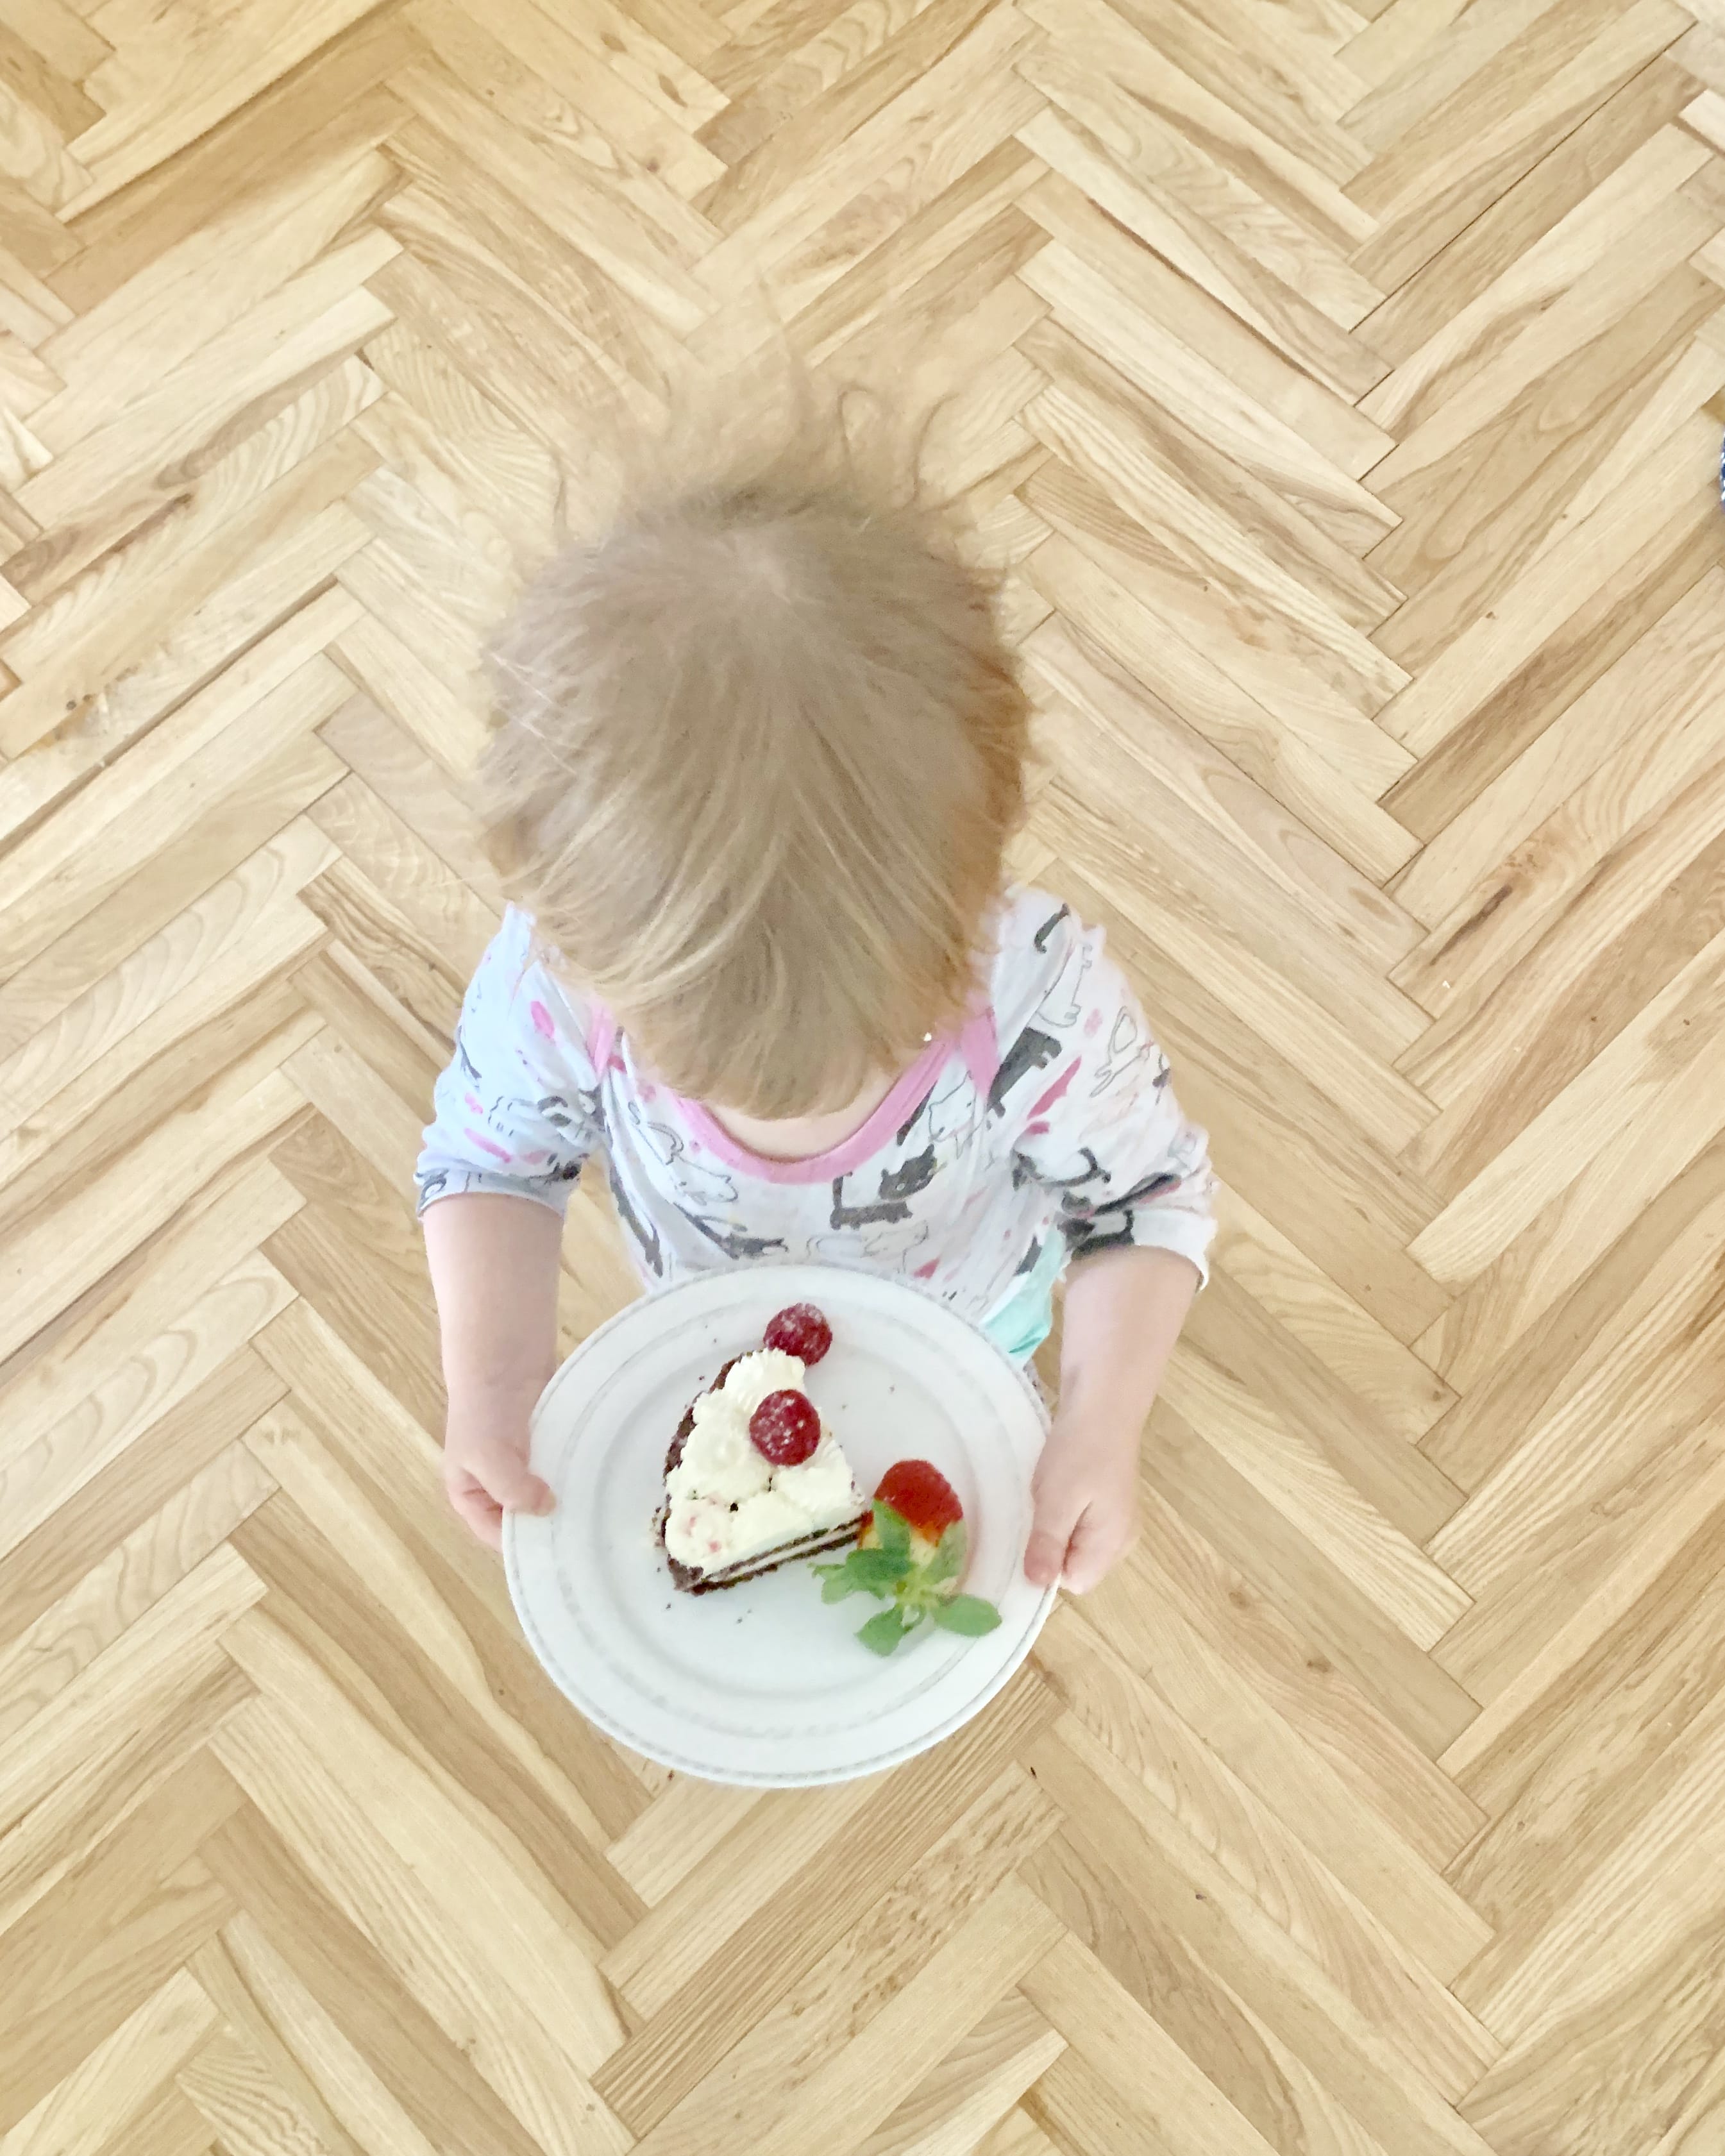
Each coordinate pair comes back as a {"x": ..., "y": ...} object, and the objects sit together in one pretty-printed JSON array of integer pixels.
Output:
[
  {"x": 921, "y": 1496},
  {"x": 785, "y": 1427},
  {"x": 800, "y": 1331}
]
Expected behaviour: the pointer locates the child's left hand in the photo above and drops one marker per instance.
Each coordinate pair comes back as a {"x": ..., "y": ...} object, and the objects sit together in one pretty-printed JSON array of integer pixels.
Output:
[{"x": 1085, "y": 1491}]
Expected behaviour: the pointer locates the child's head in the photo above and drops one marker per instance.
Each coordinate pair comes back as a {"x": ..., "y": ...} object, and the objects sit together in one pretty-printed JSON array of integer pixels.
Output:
[{"x": 761, "y": 752}]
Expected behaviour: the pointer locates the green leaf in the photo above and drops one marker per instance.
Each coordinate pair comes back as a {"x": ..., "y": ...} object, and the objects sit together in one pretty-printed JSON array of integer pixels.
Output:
[
  {"x": 883, "y": 1631},
  {"x": 948, "y": 1559},
  {"x": 878, "y": 1569},
  {"x": 892, "y": 1530},
  {"x": 966, "y": 1613},
  {"x": 864, "y": 1572}
]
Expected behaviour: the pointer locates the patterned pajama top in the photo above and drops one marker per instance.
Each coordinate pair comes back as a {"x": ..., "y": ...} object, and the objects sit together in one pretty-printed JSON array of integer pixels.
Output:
[{"x": 1046, "y": 1128}]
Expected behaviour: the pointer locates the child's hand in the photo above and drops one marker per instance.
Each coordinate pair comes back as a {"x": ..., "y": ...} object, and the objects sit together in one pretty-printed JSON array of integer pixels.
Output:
[
  {"x": 485, "y": 1463},
  {"x": 1085, "y": 1491}
]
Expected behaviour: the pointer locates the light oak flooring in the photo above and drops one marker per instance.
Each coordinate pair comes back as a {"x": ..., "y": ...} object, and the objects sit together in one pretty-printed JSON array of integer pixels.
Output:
[{"x": 1340, "y": 387}]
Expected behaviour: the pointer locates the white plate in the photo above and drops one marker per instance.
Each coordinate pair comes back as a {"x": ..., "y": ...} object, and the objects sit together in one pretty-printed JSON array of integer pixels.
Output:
[{"x": 764, "y": 1683}]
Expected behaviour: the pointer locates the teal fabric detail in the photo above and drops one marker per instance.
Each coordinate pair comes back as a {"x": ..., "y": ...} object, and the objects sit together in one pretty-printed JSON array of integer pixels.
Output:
[{"x": 1024, "y": 1318}]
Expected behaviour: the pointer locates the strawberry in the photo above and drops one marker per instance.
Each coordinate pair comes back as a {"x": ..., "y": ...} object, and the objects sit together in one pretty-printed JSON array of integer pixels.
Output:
[
  {"x": 785, "y": 1427},
  {"x": 800, "y": 1331},
  {"x": 910, "y": 1556},
  {"x": 921, "y": 1496}
]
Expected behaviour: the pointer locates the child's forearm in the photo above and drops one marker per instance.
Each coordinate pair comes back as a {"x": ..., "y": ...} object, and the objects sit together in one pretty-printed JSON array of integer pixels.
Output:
[
  {"x": 494, "y": 1270},
  {"x": 1124, "y": 1310}
]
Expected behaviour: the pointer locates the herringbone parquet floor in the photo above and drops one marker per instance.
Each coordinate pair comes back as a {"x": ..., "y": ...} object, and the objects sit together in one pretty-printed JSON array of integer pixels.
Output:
[{"x": 1339, "y": 385}]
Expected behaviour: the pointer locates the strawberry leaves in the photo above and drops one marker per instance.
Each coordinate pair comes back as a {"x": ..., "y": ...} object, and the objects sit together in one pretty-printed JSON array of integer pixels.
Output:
[
  {"x": 864, "y": 1572},
  {"x": 884, "y": 1630},
  {"x": 917, "y": 1588},
  {"x": 948, "y": 1559},
  {"x": 892, "y": 1530}
]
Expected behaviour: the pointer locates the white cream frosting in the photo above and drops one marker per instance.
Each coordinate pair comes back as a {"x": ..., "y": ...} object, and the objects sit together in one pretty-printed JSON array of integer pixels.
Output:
[{"x": 727, "y": 1502}]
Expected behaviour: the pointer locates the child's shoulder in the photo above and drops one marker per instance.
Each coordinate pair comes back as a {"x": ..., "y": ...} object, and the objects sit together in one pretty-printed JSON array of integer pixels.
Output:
[
  {"x": 1038, "y": 937},
  {"x": 519, "y": 989},
  {"x": 521, "y": 956},
  {"x": 517, "y": 961}
]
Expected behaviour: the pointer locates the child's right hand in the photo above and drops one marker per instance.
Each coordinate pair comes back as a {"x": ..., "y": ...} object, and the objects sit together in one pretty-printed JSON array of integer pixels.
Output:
[{"x": 485, "y": 1469}]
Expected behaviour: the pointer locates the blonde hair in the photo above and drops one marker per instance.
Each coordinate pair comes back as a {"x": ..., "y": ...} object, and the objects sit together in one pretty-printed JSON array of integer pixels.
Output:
[{"x": 761, "y": 750}]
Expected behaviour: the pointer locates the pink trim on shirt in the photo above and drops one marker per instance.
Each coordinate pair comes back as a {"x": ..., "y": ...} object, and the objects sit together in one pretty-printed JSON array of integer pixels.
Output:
[
  {"x": 976, "y": 1044},
  {"x": 980, "y": 1049},
  {"x": 601, "y": 1041}
]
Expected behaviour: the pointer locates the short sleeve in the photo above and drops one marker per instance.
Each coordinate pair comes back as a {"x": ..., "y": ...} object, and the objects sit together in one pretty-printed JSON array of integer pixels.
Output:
[
  {"x": 517, "y": 1110},
  {"x": 1087, "y": 1096}
]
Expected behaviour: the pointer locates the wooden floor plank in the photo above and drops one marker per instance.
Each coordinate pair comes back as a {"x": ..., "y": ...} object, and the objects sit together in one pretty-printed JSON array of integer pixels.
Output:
[
  {"x": 1365, "y": 1957},
  {"x": 343, "y": 1972},
  {"x": 121, "y": 2080}
]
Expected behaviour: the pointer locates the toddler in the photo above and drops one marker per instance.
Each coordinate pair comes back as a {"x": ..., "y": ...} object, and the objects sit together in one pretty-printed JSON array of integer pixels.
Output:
[{"x": 761, "y": 752}]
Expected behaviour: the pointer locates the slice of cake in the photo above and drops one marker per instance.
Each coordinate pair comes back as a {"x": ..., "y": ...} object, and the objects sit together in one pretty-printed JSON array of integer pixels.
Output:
[{"x": 752, "y": 1479}]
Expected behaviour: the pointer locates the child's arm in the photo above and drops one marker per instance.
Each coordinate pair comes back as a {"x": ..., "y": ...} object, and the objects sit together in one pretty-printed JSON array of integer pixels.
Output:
[
  {"x": 1123, "y": 1314},
  {"x": 514, "y": 1123},
  {"x": 494, "y": 1271},
  {"x": 1099, "y": 1123}
]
